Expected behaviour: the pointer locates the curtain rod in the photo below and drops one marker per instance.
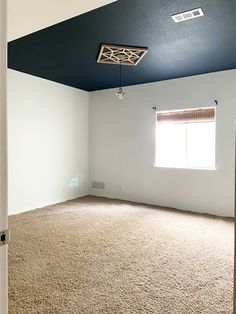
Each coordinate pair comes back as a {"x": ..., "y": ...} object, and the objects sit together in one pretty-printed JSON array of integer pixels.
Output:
[{"x": 215, "y": 101}]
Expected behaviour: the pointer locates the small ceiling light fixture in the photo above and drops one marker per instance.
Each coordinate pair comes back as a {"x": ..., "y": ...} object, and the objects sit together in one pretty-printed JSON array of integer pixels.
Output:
[
  {"x": 187, "y": 15},
  {"x": 121, "y": 55}
]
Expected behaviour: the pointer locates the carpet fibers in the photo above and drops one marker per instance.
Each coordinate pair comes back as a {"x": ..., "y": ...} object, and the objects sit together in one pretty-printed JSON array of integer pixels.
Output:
[{"x": 95, "y": 255}]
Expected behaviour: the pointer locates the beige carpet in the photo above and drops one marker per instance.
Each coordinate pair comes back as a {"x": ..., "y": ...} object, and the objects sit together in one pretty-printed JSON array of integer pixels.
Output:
[{"x": 104, "y": 256}]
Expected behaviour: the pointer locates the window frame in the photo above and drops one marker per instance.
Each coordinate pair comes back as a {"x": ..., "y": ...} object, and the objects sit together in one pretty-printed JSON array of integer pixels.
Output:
[{"x": 159, "y": 166}]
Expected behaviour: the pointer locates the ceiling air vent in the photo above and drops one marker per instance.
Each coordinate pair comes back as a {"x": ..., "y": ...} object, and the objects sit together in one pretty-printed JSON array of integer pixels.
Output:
[
  {"x": 114, "y": 54},
  {"x": 187, "y": 15}
]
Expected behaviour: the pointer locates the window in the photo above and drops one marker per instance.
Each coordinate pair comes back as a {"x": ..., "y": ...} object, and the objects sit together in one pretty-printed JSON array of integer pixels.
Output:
[{"x": 186, "y": 138}]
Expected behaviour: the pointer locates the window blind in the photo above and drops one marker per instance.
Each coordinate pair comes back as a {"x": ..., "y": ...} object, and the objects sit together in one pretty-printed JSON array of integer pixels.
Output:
[{"x": 187, "y": 116}]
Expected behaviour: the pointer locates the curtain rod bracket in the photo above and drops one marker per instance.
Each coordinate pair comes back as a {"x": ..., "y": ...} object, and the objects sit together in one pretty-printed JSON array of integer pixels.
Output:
[
  {"x": 216, "y": 102},
  {"x": 154, "y": 108}
]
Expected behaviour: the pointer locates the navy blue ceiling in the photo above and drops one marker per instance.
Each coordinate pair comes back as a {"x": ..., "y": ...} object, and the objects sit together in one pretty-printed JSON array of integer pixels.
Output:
[{"x": 67, "y": 52}]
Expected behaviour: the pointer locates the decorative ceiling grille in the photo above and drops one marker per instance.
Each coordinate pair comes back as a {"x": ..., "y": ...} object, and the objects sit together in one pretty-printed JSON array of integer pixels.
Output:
[{"x": 113, "y": 54}]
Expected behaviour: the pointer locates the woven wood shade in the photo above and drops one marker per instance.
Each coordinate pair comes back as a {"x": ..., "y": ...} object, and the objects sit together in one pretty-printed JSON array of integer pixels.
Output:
[{"x": 187, "y": 116}]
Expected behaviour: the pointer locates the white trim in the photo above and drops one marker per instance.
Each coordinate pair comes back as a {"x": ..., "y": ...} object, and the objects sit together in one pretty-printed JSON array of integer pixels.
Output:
[
  {"x": 3, "y": 159},
  {"x": 184, "y": 168}
]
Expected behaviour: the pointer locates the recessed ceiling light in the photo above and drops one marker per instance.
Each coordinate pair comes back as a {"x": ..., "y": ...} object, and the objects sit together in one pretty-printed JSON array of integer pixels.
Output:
[{"x": 187, "y": 15}]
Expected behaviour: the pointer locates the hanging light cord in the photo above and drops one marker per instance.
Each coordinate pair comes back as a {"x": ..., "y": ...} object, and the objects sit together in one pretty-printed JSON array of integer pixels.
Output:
[
  {"x": 120, "y": 93},
  {"x": 120, "y": 73}
]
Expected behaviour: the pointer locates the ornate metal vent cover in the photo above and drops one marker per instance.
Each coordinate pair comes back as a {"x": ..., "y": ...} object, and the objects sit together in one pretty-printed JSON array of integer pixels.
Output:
[{"x": 114, "y": 54}]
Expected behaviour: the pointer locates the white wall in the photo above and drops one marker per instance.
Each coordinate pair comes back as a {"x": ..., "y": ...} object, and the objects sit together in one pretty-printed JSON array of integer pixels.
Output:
[
  {"x": 28, "y": 16},
  {"x": 48, "y": 135},
  {"x": 122, "y": 144},
  {"x": 49, "y": 143}
]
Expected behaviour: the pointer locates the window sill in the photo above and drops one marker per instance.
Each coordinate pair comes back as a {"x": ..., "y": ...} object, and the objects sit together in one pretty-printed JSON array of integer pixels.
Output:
[{"x": 184, "y": 168}]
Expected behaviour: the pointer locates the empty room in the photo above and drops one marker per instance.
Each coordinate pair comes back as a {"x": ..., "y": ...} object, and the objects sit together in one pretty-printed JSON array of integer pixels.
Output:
[{"x": 117, "y": 156}]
